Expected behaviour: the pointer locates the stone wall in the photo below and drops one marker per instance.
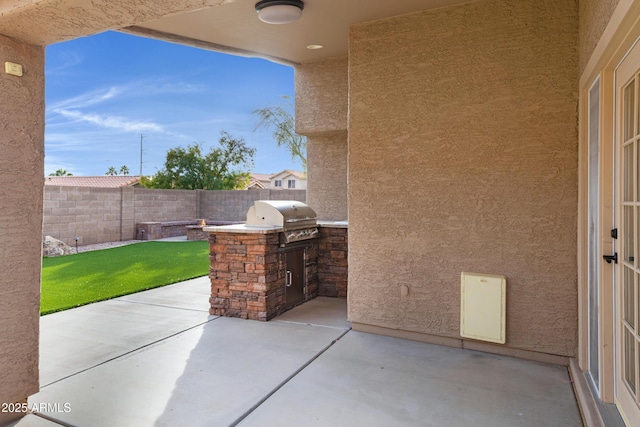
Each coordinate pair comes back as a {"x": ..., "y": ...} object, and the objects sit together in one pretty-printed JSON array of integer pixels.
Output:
[
  {"x": 248, "y": 275},
  {"x": 162, "y": 230},
  {"x": 333, "y": 252},
  {"x": 97, "y": 215}
]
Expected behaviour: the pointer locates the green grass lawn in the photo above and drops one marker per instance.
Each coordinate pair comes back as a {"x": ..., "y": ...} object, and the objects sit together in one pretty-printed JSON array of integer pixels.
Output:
[{"x": 74, "y": 280}]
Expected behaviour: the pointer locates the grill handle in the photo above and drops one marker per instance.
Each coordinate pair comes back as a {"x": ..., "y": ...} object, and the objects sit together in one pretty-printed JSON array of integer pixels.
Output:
[
  {"x": 288, "y": 279},
  {"x": 299, "y": 219}
]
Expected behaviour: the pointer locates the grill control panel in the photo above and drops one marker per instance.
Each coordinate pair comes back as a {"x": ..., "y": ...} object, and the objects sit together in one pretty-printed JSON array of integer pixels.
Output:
[{"x": 298, "y": 235}]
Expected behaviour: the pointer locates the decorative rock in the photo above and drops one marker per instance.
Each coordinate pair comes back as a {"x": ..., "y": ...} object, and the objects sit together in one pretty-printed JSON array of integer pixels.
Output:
[{"x": 53, "y": 247}]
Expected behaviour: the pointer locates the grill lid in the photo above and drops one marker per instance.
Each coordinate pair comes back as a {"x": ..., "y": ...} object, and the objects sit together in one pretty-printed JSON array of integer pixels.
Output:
[{"x": 288, "y": 214}]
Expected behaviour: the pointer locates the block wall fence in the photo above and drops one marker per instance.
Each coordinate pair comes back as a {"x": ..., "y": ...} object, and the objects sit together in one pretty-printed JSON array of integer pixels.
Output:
[{"x": 98, "y": 215}]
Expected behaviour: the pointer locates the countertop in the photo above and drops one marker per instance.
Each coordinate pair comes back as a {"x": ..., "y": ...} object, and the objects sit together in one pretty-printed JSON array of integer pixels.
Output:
[{"x": 243, "y": 228}]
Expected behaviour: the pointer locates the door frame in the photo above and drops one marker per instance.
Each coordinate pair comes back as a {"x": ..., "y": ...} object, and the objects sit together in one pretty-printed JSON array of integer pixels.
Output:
[
  {"x": 622, "y": 32},
  {"x": 628, "y": 71},
  {"x": 606, "y": 223}
]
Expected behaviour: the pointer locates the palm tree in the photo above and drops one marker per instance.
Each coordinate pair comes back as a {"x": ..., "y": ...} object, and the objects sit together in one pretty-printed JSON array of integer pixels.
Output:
[
  {"x": 124, "y": 170},
  {"x": 111, "y": 171},
  {"x": 61, "y": 172}
]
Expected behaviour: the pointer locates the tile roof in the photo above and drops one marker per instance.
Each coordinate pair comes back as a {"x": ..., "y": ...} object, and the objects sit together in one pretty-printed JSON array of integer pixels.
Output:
[
  {"x": 105, "y": 181},
  {"x": 261, "y": 176},
  {"x": 288, "y": 172},
  {"x": 270, "y": 176}
]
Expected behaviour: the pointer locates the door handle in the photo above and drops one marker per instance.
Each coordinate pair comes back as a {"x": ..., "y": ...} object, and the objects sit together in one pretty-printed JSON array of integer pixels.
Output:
[
  {"x": 288, "y": 279},
  {"x": 610, "y": 258}
]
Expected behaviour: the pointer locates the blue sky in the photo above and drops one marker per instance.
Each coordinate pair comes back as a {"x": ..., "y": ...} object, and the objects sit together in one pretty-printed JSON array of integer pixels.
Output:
[{"x": 104, "y": 91}]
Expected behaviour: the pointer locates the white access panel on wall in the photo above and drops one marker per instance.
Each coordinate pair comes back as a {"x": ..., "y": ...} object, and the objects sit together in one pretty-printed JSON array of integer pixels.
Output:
[{"x": 483, "y": 307}]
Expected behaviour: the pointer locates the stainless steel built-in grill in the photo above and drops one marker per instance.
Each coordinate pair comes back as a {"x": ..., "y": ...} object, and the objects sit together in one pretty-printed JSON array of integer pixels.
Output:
[
  {"x": 296, "y": 222},
  {"x": 299, "y": 221}
]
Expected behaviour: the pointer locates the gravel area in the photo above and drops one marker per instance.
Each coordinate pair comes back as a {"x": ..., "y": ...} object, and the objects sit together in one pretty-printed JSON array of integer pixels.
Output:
[{"x": 106, "y": 245}]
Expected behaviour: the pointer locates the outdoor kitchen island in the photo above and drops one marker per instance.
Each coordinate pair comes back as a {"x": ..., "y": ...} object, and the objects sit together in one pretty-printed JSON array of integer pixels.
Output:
[{"x": 270, "y": 264}]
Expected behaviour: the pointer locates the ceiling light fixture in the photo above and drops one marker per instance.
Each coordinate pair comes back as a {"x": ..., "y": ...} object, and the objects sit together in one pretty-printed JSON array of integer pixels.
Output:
[
  {"x": 279, "y": 11},
  {"x": 315, "y": 46}
]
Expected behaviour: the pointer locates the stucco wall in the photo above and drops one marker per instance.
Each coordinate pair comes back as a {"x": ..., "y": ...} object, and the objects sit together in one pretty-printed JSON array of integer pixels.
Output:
[
  {"x": 322, "y": 105},
  {"x": 463, "y": 158},
  {"x": 44, "y": 22},
  {"x": 327, "y": 175},
  {"x": 594, "y": 17},
  {"x": 322, "y": 96},
  {"x": 21, "y": 181}
]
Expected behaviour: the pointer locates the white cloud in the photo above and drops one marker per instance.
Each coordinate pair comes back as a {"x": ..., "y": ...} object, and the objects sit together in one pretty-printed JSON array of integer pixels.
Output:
[
  {"x": 68, "y": 111},
  {"x": 158, "y": 87},
  {"x": 112, "y": 122},
  {"x": 65, "y": 60},
  {"x": 133, "y": 90},
  {"x": 81, "y": 142},
  {"x": 88, "y": 99}
]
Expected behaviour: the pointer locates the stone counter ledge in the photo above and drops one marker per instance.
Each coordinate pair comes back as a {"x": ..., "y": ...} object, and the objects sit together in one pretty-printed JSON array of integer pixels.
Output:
[
  {"x": 333, "y": 224},
  {"x": 242, "y": 228}
]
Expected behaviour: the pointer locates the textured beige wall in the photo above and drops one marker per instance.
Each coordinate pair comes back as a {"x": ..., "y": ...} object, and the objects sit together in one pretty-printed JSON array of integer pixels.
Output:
[
  {"x": 322, "y": 96},
  {"x": 327, "y": 175},
  {"x": 322, "y": 104},
  {"x": 594, "y": 17},
  {"x": 21, "y": 182},
  {"x": 45, "y": 22},
  {"x": 463, "y": 157}
]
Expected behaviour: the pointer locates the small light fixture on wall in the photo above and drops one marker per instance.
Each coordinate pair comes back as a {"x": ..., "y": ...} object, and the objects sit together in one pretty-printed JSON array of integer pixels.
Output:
[{"x": 279, "y": 11}]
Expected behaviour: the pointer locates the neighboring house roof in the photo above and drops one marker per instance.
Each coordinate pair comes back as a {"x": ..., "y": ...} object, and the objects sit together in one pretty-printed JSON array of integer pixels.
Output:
[
  {"x": 258, "y": 181},
  {"x": 288, "y": 172},
  {"x": 263, "y": 177},
  {"x": 263, "y": 180},
  {"x": 255, "y": 185},
  {"x": 106, "y": 181}
]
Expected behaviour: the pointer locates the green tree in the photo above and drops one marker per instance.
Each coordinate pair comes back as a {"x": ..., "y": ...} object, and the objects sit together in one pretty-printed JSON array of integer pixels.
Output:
[
  {"x": 124, "y": 170},
  {"x": 61, "y": 172},
  {"x": 220, "y": 169},
  {"x": 111, "y": 171},
  {"x": 282, "y": 123}
]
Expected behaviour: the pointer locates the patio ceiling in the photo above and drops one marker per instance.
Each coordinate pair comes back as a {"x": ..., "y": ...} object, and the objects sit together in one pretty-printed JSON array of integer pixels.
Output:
[{"x": 234, "y": 27}]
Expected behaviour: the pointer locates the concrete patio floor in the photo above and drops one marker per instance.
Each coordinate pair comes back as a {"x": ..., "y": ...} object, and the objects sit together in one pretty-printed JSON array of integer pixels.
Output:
[{"x": 157, "y": 358}]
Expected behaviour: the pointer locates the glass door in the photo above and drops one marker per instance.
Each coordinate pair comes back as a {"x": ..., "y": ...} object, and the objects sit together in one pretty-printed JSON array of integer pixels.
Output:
[{"x": 628, "y": 274}]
